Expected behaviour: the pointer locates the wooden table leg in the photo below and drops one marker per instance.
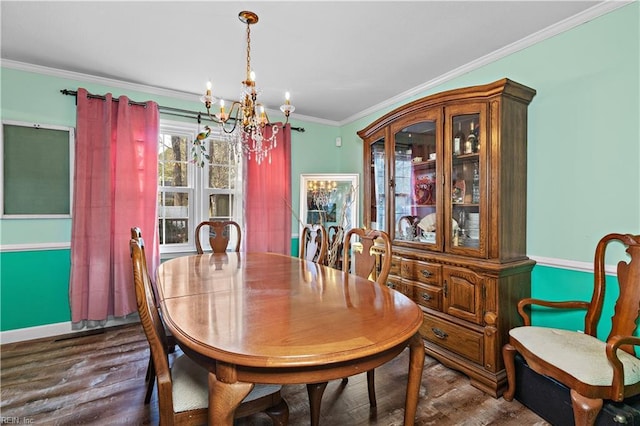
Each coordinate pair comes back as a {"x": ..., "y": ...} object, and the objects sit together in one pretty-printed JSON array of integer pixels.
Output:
[
  {"x": 315, "y": 391},
  {"x": 225, "y": 394},
  {"x": 416, "y": 365}
]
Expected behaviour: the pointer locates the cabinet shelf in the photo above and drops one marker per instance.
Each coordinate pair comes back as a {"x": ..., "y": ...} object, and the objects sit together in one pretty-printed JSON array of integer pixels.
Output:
[
  {"x": 421, "y": 164},
  {"x": 473, "y": 155}
]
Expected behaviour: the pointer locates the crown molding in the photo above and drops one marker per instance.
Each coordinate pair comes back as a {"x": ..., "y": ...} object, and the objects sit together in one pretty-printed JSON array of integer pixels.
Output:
[
  {"x": 532, "y": 39},
  {"x": 88, "y": 78}
]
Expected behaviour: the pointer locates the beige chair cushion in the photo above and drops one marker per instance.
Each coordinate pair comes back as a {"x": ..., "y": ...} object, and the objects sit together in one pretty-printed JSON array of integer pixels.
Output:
[
  {"x": 191, "y": 388},
  {"x": 579, "y": 354}
]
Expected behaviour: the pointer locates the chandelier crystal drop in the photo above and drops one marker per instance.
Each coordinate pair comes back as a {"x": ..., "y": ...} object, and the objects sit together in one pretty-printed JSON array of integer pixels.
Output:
[
  {"x": 246, "y": 121},
  {"x": 321, "y": 192}
]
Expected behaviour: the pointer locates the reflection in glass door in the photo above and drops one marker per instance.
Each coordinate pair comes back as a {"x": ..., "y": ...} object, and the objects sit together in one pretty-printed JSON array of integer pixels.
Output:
[
  {"x": 415, "y": 182},
  {"x": 379, "y": 181},
  {"x": 465, "y": 180}
]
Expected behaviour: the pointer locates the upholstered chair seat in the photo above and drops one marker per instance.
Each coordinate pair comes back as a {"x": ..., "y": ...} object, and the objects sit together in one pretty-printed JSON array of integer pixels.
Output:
[
  {"x": 190, "y": 388},
  {"x": 590, "y": 366}
]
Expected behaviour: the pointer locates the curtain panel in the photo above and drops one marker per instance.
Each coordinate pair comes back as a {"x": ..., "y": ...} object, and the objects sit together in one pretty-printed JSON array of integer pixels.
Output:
[
  {"x": 267, "y": 196},
  {"x": 115, "y": 188}
]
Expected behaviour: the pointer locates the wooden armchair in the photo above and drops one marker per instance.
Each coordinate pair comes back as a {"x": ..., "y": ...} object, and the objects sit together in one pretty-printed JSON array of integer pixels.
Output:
[
  {"x": 218, "y": 235},
  {"x": 183, "y": 390},
  {"x": 314, "y": 243},
  {"x": 594, "y": 370}
]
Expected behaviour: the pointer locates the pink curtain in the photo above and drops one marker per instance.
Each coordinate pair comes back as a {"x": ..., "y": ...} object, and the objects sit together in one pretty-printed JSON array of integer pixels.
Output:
[
  {"x": 268, "y": 199},
  {"x": 115, "y": 188}
]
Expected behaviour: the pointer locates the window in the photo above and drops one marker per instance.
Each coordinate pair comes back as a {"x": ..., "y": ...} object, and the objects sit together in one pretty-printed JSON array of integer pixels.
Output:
[
  {"x": 188, "y": 194},
  {"x": 36, "y": 170}
]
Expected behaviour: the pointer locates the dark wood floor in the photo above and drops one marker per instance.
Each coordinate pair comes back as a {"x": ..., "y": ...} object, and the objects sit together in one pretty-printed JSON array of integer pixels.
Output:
[{"x": 98, "y": 379}]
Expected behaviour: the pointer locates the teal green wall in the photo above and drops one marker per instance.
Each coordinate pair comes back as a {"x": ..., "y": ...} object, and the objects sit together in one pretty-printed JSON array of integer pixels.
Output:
[
  {"x": 583, "y": 133},
  {"x": 583, "y": 157},
  {"x": 563, "y": 284},
  {"x": 35, "y": 288},
  {"x": 313, "y": 151},
  {"x": 583, "y": 146}
]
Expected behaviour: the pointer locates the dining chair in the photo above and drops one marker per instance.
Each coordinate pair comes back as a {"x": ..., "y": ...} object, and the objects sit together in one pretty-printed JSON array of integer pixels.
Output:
[
  {"x": 335, "y": 234},
  {"x": 360, "y": 258},
  {"x": 183, "y": 390},
  {"x": 219, "y": 235},
  {"x": 367, "y": 253},
  {"x": 150, "y": 377},
  {"x": 592, "y": 369},
  {"x": 314, "y": 243}
]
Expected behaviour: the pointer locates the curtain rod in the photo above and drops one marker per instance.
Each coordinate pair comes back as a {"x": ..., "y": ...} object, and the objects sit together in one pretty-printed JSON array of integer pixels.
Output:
[{"x": 177, "y": 112}]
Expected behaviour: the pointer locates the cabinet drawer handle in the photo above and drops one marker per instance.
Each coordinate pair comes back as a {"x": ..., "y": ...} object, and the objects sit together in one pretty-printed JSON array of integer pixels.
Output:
[
  {"x": 439, "y": 333},
  {"x": 426, "y": 273},
  {"x": 391, "y": 285},
  {"x": 426, "y": 296}
]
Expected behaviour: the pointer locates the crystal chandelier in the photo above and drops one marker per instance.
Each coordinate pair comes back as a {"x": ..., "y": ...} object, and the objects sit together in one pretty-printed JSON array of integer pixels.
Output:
[
  {"x": 246, "y": 120},
  {"x": 321, "y": 192}
]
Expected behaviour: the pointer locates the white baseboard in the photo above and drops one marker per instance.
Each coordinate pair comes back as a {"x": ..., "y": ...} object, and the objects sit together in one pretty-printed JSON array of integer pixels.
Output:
[{"x": 52, "y": 330}]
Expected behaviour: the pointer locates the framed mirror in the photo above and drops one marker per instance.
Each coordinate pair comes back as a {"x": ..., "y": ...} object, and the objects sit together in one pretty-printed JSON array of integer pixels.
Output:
[{"x": 330, "y": 200}]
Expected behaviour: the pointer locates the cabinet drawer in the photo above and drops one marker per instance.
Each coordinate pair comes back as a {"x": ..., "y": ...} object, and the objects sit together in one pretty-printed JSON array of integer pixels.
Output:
[
  {"x": 395, "y": 265},
  {"x": 455, "y": 338},
  {"x": 400, "y": 286},
  {"x": 427, "y": 295},
  {"x": 424, "y": 272}
]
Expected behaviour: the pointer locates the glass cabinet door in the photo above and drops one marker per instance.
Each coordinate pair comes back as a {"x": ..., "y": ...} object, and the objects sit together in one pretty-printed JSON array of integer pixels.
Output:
[
  {"x": 415, "y": 189},
  {"x": 378, "y": 182},
  {"x": 465, "y": 139}
]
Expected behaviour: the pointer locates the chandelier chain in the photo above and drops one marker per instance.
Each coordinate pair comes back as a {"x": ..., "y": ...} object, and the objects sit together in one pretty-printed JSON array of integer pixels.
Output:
[{"x": 248, "y": 51}]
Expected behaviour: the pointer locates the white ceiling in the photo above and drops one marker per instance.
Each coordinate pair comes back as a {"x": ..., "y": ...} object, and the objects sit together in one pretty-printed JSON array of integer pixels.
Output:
[{"x": 338, "y": 59}]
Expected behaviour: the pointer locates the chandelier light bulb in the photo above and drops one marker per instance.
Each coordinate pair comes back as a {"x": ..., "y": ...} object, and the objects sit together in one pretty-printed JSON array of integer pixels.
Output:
[
  {"x": 287, "y": 108},
  {"x": 263, "y": 116},
  {"x": 207, "y": 99},
  {"x": 223, "y": 116}
]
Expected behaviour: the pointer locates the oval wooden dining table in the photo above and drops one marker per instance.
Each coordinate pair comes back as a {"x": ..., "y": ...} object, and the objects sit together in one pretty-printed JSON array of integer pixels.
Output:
[{"x": 268, "y": 318}]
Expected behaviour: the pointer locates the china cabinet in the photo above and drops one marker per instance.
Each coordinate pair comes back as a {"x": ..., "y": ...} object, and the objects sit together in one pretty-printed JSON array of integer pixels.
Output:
[{"x": 445, "y": 176}]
